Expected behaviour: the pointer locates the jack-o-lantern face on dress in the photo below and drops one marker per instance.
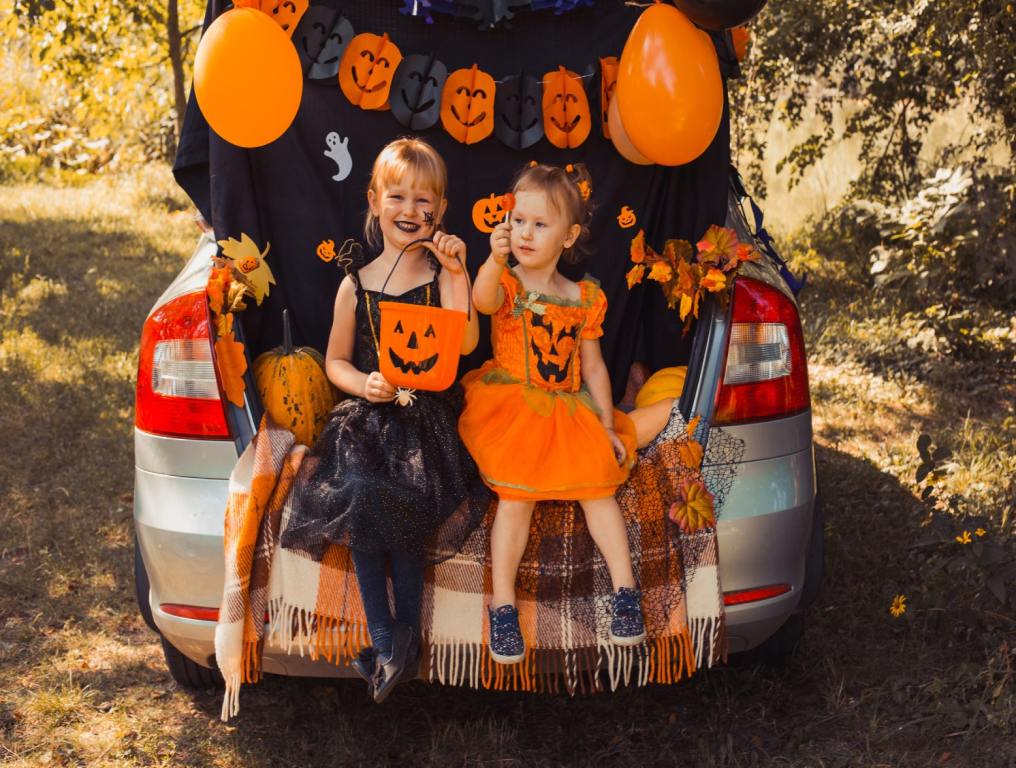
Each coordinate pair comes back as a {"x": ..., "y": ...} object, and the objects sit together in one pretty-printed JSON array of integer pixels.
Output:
[
  {"x": 518, "y": 113},
  {"x": 566, "y": 119},
  {"x": 286, "y": 13},
  {"x": 414, "y": 353},
  {"x": 416, "y": 91},
  {"x": 608, "y": 83},
  {"x": 467, "y": 105},
  {"x": 553, "y": 346},
  {"x": 367, "y": 68}
]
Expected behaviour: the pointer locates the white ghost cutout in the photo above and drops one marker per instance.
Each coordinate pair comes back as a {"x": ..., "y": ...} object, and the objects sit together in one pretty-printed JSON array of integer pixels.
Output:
[{"x": 338, "y": 151}]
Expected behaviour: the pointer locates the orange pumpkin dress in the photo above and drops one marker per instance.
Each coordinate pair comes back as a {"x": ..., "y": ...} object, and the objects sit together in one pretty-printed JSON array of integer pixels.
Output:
[{"x": 532, "y": 428}]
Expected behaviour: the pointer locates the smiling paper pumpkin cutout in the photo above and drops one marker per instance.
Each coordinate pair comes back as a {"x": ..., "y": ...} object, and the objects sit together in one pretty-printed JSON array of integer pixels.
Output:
[
  {"x": 518, "y": 112},
  {"x": 467, "y": 105},
  {"x": 608, "y": 82},
  {"x": 325, "y": 65},
  {"x": 416, "y": 91},
  {"x": 286, "y": 13},
  {"x": 488, "y": 212},
  {"x": 566, "y": 119},
  {"x": 367, "y": 68}
]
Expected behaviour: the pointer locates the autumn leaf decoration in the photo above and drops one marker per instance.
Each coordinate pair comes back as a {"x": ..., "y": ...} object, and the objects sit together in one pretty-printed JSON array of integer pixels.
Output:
[
  {"x": 225, "y": 296},
  {"x": 686, "y": 277},
  {"x": 692, "y": 510}
]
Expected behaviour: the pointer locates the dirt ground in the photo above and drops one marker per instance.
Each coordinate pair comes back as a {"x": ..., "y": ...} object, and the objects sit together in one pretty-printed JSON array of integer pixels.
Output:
[{"x": 82, "y": 679}]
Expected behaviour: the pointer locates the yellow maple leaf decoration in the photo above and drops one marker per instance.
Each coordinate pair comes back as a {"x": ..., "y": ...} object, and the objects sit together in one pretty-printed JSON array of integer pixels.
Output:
[
  {"x": 693, "y": 508},
  {"x": 232, "y": 365},
  {"x": 249, "y": 264},
  {"x": 661, "y": 272}
]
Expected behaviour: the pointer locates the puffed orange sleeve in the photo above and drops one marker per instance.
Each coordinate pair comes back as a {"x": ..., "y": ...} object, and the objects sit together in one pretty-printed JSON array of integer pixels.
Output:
[
  {"x": 510, "y": 284},
  {"x": 593, "y": 329}
]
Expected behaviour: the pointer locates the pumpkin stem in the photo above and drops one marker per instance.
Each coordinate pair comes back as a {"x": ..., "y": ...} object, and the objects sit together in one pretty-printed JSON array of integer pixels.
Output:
[{"x": 287, "y": 335}]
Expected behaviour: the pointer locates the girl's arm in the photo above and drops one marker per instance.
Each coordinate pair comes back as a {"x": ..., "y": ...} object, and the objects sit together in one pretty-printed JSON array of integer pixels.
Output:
[
  {"x": 339, "y": 355},
  {"x": 454, "y": 284},
  {"x": 488, "y": 295},
  {"x": 597, "y": 381}
]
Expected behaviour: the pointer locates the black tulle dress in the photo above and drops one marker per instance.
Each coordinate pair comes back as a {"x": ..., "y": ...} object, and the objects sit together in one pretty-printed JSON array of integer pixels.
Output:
[{"x": 383, "y": 477}]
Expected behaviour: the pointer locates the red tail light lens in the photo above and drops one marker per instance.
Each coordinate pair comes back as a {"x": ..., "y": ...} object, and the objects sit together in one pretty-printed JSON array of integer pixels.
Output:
[
  {"x": 178, "y": 392},
  {"x": 765, "y": 374},
  {"x": 742, "y": 596}
]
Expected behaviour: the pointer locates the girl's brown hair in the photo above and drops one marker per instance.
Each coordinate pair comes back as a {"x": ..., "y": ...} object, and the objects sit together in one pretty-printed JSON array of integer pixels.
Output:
[
  {"x": 401, "y": 157},
  {"x": 569, "y": 190}
]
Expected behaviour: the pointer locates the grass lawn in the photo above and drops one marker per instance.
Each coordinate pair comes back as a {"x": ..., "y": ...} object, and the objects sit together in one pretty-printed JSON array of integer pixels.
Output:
[{"x": 82, "y": 680}]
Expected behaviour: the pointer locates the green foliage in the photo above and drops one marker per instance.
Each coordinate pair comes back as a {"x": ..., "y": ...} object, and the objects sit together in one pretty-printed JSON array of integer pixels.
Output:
[{"x": 87, "y": 85}]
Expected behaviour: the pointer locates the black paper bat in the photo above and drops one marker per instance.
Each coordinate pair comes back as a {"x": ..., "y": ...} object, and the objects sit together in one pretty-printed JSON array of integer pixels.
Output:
[{"x": 491, "y": 13}]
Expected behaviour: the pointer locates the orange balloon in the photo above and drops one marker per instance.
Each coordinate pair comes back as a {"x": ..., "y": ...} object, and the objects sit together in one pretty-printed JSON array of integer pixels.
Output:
[
  {"x": 669, "y": 89},
  {"x": 247, "y": 78},
  {"x": 619, "y": 136},
  {"x": 741, "y": 37}
]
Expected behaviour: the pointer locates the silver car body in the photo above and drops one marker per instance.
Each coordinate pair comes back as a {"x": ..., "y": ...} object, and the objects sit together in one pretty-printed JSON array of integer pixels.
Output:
[{"x": 764, "y": 530}]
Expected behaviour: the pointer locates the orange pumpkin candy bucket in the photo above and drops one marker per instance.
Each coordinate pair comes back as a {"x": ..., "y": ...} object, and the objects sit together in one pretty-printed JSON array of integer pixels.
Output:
[{"x": 419, "y": 345}]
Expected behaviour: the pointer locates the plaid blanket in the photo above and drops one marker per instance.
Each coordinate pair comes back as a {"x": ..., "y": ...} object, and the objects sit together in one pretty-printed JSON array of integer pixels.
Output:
[{"x": 563, "y": 596}]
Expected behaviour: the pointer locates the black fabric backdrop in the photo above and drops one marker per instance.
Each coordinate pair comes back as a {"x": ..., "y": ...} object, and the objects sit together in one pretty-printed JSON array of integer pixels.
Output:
[{"x": 284, "y": 194}]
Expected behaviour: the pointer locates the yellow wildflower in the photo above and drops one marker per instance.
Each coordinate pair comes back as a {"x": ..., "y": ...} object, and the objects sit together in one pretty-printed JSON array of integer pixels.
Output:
[
  {"x": 980, "y": 531},
  {"x": 964, "y": 538},
  {"x": 899, "y": 606}
]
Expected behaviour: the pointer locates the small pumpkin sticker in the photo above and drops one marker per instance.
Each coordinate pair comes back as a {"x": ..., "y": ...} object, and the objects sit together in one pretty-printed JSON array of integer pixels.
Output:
[
  {"x": 626, "y": 218},
  {"x": 326, "y": 250},
  {"x": 488, "y": 212}
]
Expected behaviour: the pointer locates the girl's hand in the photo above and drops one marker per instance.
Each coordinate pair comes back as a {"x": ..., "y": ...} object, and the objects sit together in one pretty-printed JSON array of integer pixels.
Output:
[
  {"x": 615, "y": 442},
  {"x": 377, "y": 389},
  {"x": 501, "y": 242},
  {"x": 448, "y": 249}
]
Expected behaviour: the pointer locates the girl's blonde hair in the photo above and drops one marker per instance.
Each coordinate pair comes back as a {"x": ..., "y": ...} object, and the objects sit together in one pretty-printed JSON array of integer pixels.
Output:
[
  {"x": 401, "y": 157},
  {"x": 568, "y": 190}
]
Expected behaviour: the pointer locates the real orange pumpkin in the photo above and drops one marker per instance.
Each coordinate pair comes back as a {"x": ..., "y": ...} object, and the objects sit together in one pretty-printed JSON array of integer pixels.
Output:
[
  {"x": 367, "y": 68},
  {"x": 294, "y": 388},
  {"x": 566, "y": 118},
  {"x": 467, "y": 105}
]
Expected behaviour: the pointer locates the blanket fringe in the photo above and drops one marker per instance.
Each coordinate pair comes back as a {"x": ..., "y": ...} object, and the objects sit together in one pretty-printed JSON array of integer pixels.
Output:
[{"x": 314, "y": 634}]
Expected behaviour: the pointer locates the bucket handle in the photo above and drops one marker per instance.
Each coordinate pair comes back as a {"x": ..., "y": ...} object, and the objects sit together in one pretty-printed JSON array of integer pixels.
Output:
[{"x": 469, "y": 283}]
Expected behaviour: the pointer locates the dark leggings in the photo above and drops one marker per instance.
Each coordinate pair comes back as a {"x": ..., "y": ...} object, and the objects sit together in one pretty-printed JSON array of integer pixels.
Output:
[{"x": 407, "y": 584}]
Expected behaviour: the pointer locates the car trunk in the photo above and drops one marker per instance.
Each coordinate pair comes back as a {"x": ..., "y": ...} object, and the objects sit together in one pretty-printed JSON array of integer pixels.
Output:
[{"x": 287, "y": 198}]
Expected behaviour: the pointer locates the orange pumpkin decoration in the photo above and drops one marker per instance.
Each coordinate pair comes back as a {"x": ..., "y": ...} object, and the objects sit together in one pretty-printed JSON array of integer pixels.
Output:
[
  {"x": 488, "y": 212},
  {"x": 566, "y": 118},
  {"x": 294, "y": 388},
  {"x": 467, "y": 105},
  {"x": 285, "y": 13},
  {"x": 419, "y": 345},
  {"x": 608, "y": 82},
  {"x": 367, "y": 68}
]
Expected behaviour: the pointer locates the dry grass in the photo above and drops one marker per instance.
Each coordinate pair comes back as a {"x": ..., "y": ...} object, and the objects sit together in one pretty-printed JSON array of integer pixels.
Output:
[{"x": 83, "y": 682}]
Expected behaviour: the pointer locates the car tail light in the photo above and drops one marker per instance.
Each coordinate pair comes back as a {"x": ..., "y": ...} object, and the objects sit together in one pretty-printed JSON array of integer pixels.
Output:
[
  {"x": 753, "y": 595},
  {"x": 765, "y": 374},
  {"x": 190, "y": 611},
  {"x": 178, "y": 392}
]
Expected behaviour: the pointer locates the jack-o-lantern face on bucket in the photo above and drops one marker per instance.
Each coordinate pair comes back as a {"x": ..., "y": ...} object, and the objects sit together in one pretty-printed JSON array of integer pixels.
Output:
[
  {"x": 518, "y": 113},
  {"x": 467, "y": 105},
  {"x": 286, "y": 13},
  {"x": 416, "y": 91},
  {"x": 488, "y": 212},
  {"x": 553, "y": 346},
  {"x": 566, "y": 119},
  {"x": 367, "y": 68},
  {"x": 419, "y": 345},
  {"x": 608, "y": 83}
]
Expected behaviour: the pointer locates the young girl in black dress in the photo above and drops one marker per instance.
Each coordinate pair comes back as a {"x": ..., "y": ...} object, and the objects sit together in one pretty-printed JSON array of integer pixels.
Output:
[{"x": 389, "y": 477}]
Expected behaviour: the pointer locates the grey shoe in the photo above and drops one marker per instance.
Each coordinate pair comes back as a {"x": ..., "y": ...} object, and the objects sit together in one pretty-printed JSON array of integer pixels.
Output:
[{"x": 390, "y": 669}]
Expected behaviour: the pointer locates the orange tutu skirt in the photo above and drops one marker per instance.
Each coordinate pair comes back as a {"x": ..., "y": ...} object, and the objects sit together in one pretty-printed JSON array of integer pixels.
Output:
[{"x": 536, "y": 444}]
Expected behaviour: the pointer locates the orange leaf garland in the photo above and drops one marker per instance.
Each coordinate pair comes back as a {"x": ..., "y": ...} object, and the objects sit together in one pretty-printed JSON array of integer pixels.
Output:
[
  {"x": 718, "y": 245},
  {"x": 218, "y": 288},
  {"x": 232, "y": 365},
  {"x": 693, "y": 509},
  {"x": 691, "y": 453},
  {"x": 638, "y": 248},
  {"x": 635, "y": 275},
  {"x": 714, "y": 280},
  {"x": 661, "y": 272}
]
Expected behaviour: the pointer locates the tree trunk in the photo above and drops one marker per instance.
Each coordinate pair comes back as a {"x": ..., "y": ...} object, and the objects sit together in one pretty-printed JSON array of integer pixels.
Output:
[{"x": 176, "y": 59}]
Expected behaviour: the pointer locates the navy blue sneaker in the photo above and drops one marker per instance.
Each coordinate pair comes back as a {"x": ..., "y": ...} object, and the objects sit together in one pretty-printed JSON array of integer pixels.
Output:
[
  {"x": 626, "y": 625},
  {"x": 506, "y": 643}
]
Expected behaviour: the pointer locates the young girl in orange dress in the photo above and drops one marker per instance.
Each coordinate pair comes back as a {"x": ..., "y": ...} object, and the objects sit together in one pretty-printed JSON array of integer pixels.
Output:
[{"x": 539, "y": 418}]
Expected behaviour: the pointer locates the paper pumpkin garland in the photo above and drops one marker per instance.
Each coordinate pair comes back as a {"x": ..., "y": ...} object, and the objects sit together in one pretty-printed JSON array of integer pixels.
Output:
[
  {"x": 566, "y": 118},
  {"x": 608, "y": 84},
  {"x": 338, "y": 34},
  {"x": 467, "y": 105},
  {"x": 285, "y": 13},
  {"x": 415, "y": 97},
  {"x": 367, "y": 68},
  {"x": 518, "y": 111}
]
